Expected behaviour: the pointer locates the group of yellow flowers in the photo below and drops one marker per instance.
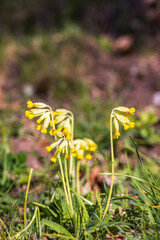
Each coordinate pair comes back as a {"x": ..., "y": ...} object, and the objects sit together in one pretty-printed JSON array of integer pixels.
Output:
[
  {"x": 59, "y": 123},
  {"x": 122, "y": 115}
]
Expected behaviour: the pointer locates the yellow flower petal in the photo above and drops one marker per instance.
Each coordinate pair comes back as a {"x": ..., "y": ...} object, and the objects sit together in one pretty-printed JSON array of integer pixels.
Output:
[
  {"x": 53, "y": 159},
  {"x": 116, "y": 135},
  {"x": 51, "y": 123},
  {"x": 31, "y": 116},
  {"x": 54, "y": 113},
  {"x": 67, "y": 157},
  {"x": 126, "y": 126},
  {"x": 65, "y": 131},
  {"x": 93, "y": 147},
  {"x": 73, "y": 152},
  {"x": 88, "y": 156},
  {"x": 38, "y": 127},
  {"x": 27, "y": 112},
  {"x": 44, "y": 130},
  {"x": 58, "y": 150},
  {"x": 79, "y": 156},
  {"x": 59, "y": 129},
  {"x": 30, "y": 104},
  {"x": 132, "y": 110},
  {"x": 53, "y": 132},
  {"x": 48, "y": 148},
  {"x": 38, "y": 121},
  {"x": 68, "y": 137},
  {"x": 131, "y": 124}
]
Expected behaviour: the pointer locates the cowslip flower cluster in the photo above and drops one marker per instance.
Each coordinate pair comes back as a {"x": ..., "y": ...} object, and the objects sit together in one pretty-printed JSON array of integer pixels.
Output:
[
  {"x": 58, "y": 123},
  {"x": 63, "y": 146},
  {"x": 84, "y": 148},
  {"x": 44, "y": 114},
  {"x": 122, "y": 115}
]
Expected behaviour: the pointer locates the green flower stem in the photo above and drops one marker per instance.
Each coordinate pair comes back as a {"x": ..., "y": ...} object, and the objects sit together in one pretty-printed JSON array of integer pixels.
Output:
[
  {"x": 112, "y": 158},
  {"x": 63, "y": 180},
  {"x": 77, "y": 176},
  {"x": 52, "y": 117},
  {"x": 26, "y": 196},
  {"x": 68, "y": 188},
  {"x": 60, "y": 163},
  {"x": 72, "y": 135},
  {"x": 87, "y": 175},
  {"x": 39, "y": 224}
]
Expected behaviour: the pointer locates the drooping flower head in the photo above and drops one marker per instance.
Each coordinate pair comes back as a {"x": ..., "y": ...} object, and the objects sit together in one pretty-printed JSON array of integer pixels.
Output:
[
  {"x": 84, "y": 148},
  {"x": 43, "y": 112},
  {"x": 122, "y": 115},
  {"x": 62, "y": 146},
  {"x": 59, "y": 125}
]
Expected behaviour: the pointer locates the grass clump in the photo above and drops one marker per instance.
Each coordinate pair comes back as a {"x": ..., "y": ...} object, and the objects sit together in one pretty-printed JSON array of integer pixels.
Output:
[{"x": 127, "y": 211}]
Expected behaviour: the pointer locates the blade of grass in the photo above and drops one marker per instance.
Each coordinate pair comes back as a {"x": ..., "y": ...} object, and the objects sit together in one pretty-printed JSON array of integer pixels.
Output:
[
  {"x": 136, "y": 178},
  {"x": 26, "y": 196},
  {"x": 135, "y": 147},
  {"x": 30, "y": 223},
  {"x": 9, "y": 237}
]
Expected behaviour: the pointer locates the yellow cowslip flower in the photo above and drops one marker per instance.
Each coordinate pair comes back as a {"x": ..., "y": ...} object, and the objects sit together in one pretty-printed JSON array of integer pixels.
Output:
[
  {"x": 84, "y": 147},
  {"x": 91, "y": 144},
  {"x": 30, "y": 104},
  {"x": 38, "y": 127},
  {"x": 44, "y": 113},
  {"x": 122, "y": 115},
  {"x": 62, "y": 145},
  {"x": 53, "y": 159},
  {"x": 68, "y": 136},
  {"x": 67, "y": 156},
  {"x": 65, "y": 131},
  {"x": 60, "y": 124},
  {"x": 54, "y": 145},
  {"x": 53, "y": 132},
  {"x": 27, "y": 112},
  {"x": 63, "y": 119},
  {"x": 73, "y": 152},
  {"x": 51, "y": 123},
  {"x": 116, "y": 135},
  {"x": 88, "y": 156}
]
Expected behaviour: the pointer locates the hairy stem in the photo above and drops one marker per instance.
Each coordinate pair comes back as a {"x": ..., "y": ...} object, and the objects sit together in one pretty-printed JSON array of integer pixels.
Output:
[
  {"x": 68, "y": 188},
  {"x": 112, "y": 158},
  {"x": 77, "y": 176},
  {"x": 63, "y": 180}
]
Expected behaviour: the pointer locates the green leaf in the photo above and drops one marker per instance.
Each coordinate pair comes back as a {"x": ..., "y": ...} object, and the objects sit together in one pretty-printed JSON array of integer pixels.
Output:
[
  {"x": 77, "y": 204},
  {"x": 99, "y": 204},
  {"x": 54, "y": 235},
  {"x": 56, "y": 227},
  {"x": 138, "y": 156},
  {"x": 101, "y": 226},
  {"x": 45, "y": 207},
  {"x": 88, "y": 236}
]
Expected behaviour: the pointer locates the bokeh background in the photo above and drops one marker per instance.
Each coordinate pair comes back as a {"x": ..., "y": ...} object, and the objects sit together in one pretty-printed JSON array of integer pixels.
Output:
[{"x": 86, "y": 56}]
